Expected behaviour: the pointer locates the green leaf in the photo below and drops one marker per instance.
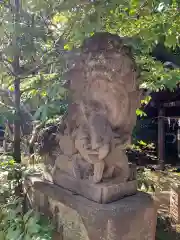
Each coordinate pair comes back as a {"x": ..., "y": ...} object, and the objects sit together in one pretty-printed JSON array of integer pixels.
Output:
[
  {"x": 44, "y": 113},
  {"x": 37, "y": 114},
  {"x": 32, "y": 227},
  {"x": 146, "y": 100},
  {"x": 2, "y": 235},
  {"x": 142, "y": 143},
  {"x": 140, "y": 113},
  {"x": 13, "y": 234},
  {"x": 59, "y": 18},
  {"x": 27, "y": 216},
  {"x": 68, "y": 47},
  {"x": 29, "y": 237}
]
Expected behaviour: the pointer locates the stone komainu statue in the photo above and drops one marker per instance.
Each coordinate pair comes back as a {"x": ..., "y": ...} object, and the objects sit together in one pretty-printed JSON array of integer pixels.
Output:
[{"x": 103, "y": 96}]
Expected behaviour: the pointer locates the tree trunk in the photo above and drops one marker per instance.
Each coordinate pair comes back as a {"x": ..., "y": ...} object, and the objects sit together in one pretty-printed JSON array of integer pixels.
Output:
[
  {"x": 17, "y": 94},
  {"x": 17, "y": 123}
]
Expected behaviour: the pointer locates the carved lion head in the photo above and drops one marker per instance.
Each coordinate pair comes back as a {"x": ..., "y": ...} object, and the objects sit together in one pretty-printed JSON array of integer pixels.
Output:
[{"x": 104, "y": 80}]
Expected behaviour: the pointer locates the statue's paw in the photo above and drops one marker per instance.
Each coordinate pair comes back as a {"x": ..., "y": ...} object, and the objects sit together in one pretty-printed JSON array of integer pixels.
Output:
[
  {"x": 124, "y": 176},
  {"x": 103, "y": 151},
  {"x": 95, "y": 179},
  {"x": 76, "y": 172},
  {"x": 90, "y": 178},
  {"x": 109, "y": 172},
  {"x": 77, "y": 175}
]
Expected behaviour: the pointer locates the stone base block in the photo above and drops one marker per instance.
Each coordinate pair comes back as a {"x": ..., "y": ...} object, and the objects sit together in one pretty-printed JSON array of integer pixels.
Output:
[
  {"x": 77, "y": 218},
  {"x": 104, "y": 192}
]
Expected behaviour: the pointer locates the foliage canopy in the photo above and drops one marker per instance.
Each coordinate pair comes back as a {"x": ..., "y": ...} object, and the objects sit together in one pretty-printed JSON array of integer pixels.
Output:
[
  {"x": 41, "y": 33},
  {"x": 39, "y": 40}
]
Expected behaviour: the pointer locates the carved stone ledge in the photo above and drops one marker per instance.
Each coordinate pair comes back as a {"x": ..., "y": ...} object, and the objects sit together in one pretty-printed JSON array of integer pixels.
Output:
[{"x": 104, "y": 192}]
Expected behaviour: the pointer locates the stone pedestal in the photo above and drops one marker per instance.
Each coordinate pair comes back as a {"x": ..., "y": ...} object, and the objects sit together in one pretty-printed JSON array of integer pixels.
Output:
[
  {"x": 77, "y": 218},
  {"x": 103, "y": 192}
]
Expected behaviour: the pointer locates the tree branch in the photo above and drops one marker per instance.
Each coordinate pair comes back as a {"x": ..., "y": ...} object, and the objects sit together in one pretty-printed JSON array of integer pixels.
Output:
[
  {"x": 7, "y": 106},
  {"x": 9, "y": 69},
  {"x": 7, "y": 64},
  {"x": 27, "y": 90},
  {"x": 9, "y": 96}
]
